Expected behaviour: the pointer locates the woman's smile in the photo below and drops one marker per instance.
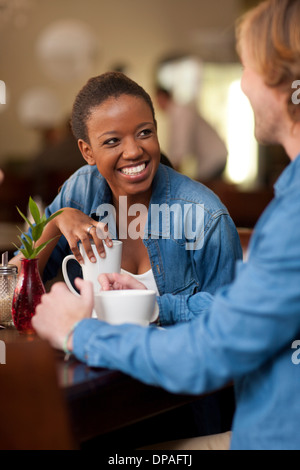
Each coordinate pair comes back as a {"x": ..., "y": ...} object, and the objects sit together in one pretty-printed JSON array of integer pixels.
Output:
[{"x": 135, "y": 171}]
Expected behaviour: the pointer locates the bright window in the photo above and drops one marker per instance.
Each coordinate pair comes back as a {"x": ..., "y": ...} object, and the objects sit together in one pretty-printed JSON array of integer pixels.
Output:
[{"x": 216, "y": 90}]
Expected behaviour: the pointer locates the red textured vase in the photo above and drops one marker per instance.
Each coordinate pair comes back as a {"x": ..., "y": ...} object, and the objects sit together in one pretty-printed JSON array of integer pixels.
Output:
[{"x": 27, "y": 295}]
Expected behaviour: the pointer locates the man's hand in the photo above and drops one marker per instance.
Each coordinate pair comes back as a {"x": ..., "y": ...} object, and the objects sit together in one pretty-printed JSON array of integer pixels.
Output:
[
  {"x": 59, "y": 310},
  {"x": 116, "y": 281}
]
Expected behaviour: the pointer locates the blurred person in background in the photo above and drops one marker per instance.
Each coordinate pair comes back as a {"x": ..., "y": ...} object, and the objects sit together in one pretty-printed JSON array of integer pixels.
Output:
[
  {"x": 194, "y": 146},
  {"x": 58, "y": 158}
]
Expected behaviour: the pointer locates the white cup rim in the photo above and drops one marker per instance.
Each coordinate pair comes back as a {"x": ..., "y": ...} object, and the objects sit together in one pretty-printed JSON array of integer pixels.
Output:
[
  {"x": 115, "y": 242},
  {"x": 126, "y": 292}
]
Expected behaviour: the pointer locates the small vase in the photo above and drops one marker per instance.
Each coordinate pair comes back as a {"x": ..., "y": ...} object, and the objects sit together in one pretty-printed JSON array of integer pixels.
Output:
[{"x": 27, "y": 295}]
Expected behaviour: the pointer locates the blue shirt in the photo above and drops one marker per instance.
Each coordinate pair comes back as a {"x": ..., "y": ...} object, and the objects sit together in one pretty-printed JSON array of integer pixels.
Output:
[
  {"x": 246, "y": 333},
  {"x": 184, "y": 260}
]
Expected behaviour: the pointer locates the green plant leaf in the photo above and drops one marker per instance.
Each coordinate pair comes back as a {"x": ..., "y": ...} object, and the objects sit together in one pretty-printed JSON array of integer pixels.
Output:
[
  {"x": 28, "y": 238},
  {"x": 16, "y": 246},
  {"x": 22, "y": 250},
  {"x": 34, "y": 210},
  {"x": 42, "y": 246},
  {"x": 37, "y": 231},
  {"x": 28, "y": 248},
  {"x": 25, "y": 254},
  {"x": 27, "y": 245},
  {"x": 25, "y": 218}
]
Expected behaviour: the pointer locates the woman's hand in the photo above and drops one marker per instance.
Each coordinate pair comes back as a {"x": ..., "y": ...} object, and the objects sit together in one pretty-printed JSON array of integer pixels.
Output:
[
  {"x": 116, "y": 281},
  {"x": 79, "y": 227},
  {"x": 59, "y": 310}
]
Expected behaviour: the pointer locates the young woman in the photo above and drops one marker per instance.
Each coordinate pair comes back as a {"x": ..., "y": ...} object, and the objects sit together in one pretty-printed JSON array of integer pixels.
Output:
[{"x": 187, "y": 244}]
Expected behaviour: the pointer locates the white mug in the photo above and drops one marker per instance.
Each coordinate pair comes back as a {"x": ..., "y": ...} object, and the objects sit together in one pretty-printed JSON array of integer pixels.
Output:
[
  {"x": 110, "y": 264},
  {"x": 126, "y": 306}
]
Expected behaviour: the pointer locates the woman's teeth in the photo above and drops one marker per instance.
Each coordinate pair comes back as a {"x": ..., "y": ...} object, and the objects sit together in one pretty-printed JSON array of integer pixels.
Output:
[{"x": 135, "y": 170}]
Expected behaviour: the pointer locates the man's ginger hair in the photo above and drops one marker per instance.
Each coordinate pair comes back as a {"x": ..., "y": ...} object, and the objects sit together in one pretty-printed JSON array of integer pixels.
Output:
[{"x": 270, "y": 32}]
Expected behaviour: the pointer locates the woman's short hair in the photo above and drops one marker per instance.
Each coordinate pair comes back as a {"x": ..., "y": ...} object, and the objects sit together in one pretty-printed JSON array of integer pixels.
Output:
[
  {"x": 271, "y": 34},
  {"x": 96, "y": 91}
]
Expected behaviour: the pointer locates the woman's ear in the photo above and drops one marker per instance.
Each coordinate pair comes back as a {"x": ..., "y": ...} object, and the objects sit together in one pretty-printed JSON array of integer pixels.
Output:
[{"x": 86, "y": 152}]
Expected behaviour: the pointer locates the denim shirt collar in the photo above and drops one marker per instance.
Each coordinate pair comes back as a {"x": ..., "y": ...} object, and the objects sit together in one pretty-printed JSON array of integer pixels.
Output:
[
  {"x": 161, "y": 186},
  {"x": 289, "y": 178}
]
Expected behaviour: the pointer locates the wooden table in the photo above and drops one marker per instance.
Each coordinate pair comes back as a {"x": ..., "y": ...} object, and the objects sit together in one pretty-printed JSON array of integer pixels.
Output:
[{"x": 98, "y": 401}]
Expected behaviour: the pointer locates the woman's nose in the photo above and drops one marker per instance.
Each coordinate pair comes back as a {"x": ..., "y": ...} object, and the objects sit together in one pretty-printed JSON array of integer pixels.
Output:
[{"x": 131, "y": 149}]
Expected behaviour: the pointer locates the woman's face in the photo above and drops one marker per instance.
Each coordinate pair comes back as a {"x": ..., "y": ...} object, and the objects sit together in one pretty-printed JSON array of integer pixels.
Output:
[{"x": 123, "y": 145}]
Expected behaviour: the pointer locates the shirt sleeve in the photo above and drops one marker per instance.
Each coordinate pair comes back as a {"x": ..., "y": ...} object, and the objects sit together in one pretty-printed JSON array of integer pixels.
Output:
[
  {"x": 243, "y": 327},
  {"x": 181, "y": 308}
]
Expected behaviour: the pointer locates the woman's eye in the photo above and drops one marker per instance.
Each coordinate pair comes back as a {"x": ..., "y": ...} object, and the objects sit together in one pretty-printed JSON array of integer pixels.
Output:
[
  {"x": 145, "y": 132},
  {"x": 111, "y": 141}
]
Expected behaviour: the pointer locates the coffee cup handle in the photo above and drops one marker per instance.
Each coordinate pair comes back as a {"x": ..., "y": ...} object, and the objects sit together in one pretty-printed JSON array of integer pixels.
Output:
[{"x": 65, "y": 273}]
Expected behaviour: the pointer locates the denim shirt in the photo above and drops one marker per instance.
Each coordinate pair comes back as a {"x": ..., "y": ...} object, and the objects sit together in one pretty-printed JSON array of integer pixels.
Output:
[
  {"x": 248, "y": 332},
  {"x": 202, "y": 262}
]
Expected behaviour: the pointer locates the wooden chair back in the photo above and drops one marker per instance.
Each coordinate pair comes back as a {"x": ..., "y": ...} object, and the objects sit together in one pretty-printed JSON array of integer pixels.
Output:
[{"x": 245, "y": 235}]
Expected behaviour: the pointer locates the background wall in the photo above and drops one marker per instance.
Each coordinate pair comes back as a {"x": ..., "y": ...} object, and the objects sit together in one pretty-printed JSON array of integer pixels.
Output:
[{"x": 132, "y": 32}]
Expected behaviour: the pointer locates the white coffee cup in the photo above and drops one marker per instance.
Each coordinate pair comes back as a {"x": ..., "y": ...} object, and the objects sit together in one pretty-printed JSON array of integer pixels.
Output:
[
  {"x": 126, "y": 306},
  {"x": 90, "y": 271}
]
